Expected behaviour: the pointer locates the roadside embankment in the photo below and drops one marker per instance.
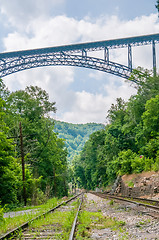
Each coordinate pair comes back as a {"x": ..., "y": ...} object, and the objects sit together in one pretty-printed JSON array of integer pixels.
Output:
[{"x": 145, "y": 185}]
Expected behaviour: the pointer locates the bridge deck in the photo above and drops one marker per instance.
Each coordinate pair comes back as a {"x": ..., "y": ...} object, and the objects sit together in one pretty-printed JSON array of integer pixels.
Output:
[{"x": 90, "y": 46}]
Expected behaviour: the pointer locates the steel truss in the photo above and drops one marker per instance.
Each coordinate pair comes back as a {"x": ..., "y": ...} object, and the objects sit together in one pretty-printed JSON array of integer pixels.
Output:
[
  {"x": 59, "y": 59},
  {"x": 76, "y": 55}
]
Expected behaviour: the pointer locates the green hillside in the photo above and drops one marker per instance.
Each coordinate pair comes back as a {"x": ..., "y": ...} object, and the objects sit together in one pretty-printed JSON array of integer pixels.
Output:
[{"x": 75, "y": 135}]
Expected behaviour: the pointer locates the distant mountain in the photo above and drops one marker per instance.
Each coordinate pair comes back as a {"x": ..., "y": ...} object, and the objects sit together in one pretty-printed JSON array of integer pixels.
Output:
[{"x": 75, "y": 135}]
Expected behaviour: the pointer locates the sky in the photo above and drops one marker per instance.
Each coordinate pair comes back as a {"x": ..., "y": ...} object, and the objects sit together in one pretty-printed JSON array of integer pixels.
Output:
[{"x": 81, "y": 95}]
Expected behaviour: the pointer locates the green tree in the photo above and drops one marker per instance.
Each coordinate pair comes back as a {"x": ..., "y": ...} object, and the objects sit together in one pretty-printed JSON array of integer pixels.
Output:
[
  {"x": 45, "y": 154},
  {"x": 151, "y": 117},
  {"x": 157, "y": 5},
  {"x": 9, "y": 167},
  {"x": 85, "y": 167},
  {"x": 150, "y": 128},
  {"x": 132, "y": 131},
  {"x": 4, "y": 92}
]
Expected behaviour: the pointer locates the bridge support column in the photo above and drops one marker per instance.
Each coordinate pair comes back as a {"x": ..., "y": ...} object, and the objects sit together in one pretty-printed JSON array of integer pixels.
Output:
[
  {"x": 129, "y": 57},
  {"x": 154, "y": 57},
  {"x": 84, "y": 53},
  {"x": 106, "y": 54}
]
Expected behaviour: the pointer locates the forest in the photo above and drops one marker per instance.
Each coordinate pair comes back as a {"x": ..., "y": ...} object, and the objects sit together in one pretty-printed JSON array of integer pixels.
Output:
[
  {"x": 33, "y": 160},
  {"x": 35, "y": 150},
  {"x": 75, "y": 135},
  {"x": 40, "y": 156},
  {"x": 130, "y": 141}
]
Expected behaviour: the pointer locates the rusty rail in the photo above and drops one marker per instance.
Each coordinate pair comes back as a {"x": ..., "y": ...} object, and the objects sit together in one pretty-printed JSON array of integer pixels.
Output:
[
  {"x": 127, "y": 200},
  {"x": 71, "y": 237},
  {"x": 26, "y": 224}
]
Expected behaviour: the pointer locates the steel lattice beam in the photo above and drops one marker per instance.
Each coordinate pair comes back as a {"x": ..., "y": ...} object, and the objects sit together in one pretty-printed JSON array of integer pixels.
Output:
[
  {"x": 59, "y": 59},
  {"x": 76, "y": 55}
]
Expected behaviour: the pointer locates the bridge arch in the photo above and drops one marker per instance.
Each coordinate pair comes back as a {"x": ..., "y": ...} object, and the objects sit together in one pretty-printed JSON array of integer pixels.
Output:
[
  {"x": 64, "y": 59},
  {"x": 76, "y": 55}
]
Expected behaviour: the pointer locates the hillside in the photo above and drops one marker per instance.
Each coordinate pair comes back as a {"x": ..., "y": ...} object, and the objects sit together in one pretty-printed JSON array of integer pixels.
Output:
[{"x": 75, "y": 135}]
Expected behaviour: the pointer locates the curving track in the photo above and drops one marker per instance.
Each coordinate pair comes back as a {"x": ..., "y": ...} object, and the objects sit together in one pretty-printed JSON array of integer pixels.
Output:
[{"x": 152, "y": 206}]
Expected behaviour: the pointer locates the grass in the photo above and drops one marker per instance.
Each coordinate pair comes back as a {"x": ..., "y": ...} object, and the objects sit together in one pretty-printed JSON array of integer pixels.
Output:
[
  {"x": 11, "y": 223},
  {"x": 55, "y": 217},
  {"x": 59, "y": 222},
  {"x": 130, "y": 184},
  {"x": 111, "y": 203},
  {"x": 142, "y": 223},
  {"x": 95, "y": 220}
]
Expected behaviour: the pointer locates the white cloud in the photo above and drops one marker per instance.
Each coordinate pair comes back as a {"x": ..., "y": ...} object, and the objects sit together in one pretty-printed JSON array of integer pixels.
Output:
[
  {"x": 20, "y": 13},
  {"x": 88, "y": 107},
  {"x": 76, "y": 106}
]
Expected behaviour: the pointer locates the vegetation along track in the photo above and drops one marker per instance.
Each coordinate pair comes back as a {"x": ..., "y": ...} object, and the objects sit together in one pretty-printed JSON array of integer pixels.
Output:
[
  {"x": 54, "y": 224},
  {"x": 99, "y": 218}
]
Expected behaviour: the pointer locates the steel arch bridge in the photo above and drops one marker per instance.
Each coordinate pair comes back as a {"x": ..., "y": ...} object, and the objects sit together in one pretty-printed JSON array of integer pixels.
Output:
[{"x": 77, "y": 55}]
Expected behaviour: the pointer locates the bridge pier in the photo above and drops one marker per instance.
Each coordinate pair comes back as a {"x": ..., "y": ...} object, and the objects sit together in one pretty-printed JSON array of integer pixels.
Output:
[
  {"x": 106, "y": 54},
  {"x": 129, "y": 57},
  {"x": 154, "y": 57},
  {"x": 84, "y": 53}
]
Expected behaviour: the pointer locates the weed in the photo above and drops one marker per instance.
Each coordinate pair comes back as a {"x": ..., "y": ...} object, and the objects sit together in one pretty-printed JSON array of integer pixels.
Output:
[
  {"x": 111, "y": 203},
  {"x": 91, "y": 220},
  {"x": 124, "y": 237},
  {"x": 75, "y": 203},
  {"x": 130, "y": 184},
  {"x": 2, "y": 220},
  {"x": 58, "y": 221},
  {"x": 141, "y": 223}
]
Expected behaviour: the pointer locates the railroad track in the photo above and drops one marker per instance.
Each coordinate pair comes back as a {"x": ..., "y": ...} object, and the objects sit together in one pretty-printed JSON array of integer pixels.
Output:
[
  {"x": 142, "y": 200},
  {"x": 49, "y": 228},
  {"x": 149, "y": 203},
  {"x": 53, "y": 229}
]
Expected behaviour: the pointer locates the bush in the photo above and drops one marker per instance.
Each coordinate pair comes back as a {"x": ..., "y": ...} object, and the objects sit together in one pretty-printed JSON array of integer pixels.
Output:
[
  {"x": 148, "y": 164},
  {"x": 124, "y": 162},
  {"x": 1, "y": 216},
  {"x": 155, "y": 166},
  {"x": 137, "y": 164},
  {"x": 129, "y": 162}
]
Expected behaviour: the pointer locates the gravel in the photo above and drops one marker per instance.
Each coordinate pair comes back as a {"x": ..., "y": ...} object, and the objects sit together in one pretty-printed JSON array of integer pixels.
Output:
[
  {"x": 17, "y": 213},
  {"x": 138, "y": 225}
]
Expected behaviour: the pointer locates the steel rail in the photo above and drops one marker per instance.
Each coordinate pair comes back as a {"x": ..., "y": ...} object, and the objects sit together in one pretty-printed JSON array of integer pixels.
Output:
[
  {"x": 71, "y": 237},
  {"x": 12, "y": 232},
  {"x": 125, "y": 200},
  {"x": 156, "y": 202}
]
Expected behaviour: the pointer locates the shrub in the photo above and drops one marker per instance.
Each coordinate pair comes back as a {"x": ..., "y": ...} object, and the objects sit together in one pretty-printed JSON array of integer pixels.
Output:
[
  {"x": 1, "y": 216},
  {"x": 124, "y": 162},
  {"x": 155, "y": 166},
  {"x": 140, "y": 164}
]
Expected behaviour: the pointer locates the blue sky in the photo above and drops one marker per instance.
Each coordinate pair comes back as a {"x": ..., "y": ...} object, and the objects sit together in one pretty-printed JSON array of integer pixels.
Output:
[{"x": 81, "y": 95}]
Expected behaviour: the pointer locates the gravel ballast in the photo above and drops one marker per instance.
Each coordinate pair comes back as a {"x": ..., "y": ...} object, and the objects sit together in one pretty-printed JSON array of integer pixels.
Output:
[{"x": 137, "y": 224}]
